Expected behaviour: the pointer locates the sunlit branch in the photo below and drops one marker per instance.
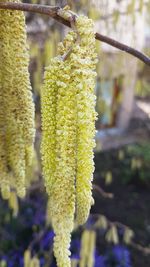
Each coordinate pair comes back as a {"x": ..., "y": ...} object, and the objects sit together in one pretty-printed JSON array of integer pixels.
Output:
[{"x": 54, "y": 12}]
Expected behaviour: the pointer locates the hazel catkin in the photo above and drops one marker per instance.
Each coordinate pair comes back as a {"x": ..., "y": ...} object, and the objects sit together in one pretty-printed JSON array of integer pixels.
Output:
[
  {"x": 18, "y": 127},
  {"x": 68, "y": 125},
  {"x": 85, "y": 81},
  {"x": 58, "y": 154}
]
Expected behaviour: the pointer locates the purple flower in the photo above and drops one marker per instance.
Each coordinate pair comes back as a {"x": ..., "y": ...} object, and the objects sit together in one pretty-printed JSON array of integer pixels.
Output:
[
  {"x": 99, "y": 261},
  {"x": 122, "y": 255},
  {"x": 118, "y": 256},
  {"x": 47, "y": 240},
  {"x": 75, "y": 248},
  {"x": 42, "y": 261}
]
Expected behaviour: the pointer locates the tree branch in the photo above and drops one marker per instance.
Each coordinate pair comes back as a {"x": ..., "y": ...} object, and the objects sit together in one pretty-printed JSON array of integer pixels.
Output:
[
  {"x": 102, "y": 192},
  {"x": 124, "y": 48},
  {"x": 145, "y": 250},
  {"x": 55, "y": 13}
]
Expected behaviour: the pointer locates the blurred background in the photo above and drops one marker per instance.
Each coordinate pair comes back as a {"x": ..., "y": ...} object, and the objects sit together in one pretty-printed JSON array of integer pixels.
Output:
[{"x": 117, "y": 233}]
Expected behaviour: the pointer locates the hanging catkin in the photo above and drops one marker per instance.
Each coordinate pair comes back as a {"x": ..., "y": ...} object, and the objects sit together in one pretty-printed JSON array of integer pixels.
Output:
[
  {"x": 68, "y": 124},
  {"x": 4, "y": 177},
  {"x": 13, "y": 203},
  {"x": 27, "y": 258},
  {"x": 84, "y": 251},
  {"x": 87, "y": 248},
  {"x": 83, "y": 63},
  {"x": 58, "y": 149},
  {"x": 85, "y": 76},
  {"x": 18, "y": 127}
]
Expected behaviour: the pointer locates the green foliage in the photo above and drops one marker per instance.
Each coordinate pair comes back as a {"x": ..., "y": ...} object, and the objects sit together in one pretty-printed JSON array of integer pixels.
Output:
[
  {"x": 130, "y": 164},
  {"x": 142, "y": 88},
  {"x": 139, "y": 161}
]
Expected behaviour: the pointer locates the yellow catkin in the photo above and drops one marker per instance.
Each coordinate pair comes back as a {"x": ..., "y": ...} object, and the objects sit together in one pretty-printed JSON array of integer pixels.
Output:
[
  {"x": 32, "y": 172},
  {"x": 83, "y": 61},
  {"x": 19, "y": 108},
  {"x": 34, "y": 49},
  {"x": 112, "y": 235},
  {"x": 65, "y": 165},
  {"x": 87, "y": 249},
  {"x": 85, "y": 74},
  {"x": 68, "y": 118},
  {"x": 74, "y": 263},
  {"x": 84, "y": 248},
  {"x": 121, "y": 154},
  {"x": 3, "y": 263},
  {"x": 4, "y": 177},
  {"x": 58, "y": 149},
  {"x": 128, "y": 235},
  {"x": 37, "y": 75},
  {"x": 49, "y": 50},
  {"x": 34, "y": 262},
  {"x": 102, "y": 222},
  {"x": 13, "y": 203},
  {"x": 108, "y": 177},
  {"x": 27, "y": 258},
  {"x": 91, "y": 250},
  {"x": 48, "y": 105}
]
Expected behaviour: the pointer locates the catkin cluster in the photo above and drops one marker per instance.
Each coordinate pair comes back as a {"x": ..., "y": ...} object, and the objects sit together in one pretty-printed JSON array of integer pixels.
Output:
[
  {"x": 16, "y": 105},
  {"x": 68, "y": 124}
]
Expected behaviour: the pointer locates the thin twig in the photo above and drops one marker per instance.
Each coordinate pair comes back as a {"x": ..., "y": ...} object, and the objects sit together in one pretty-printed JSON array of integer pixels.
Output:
[
  {"x": 102, "y": 192},
  {"x": 68, "y": 53},
  {"x": 55, "y": 13},
  {"x": 123, "y": 47},
  {"x": 145, "y": 250},
  {"x": 37, "y": 239}
]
